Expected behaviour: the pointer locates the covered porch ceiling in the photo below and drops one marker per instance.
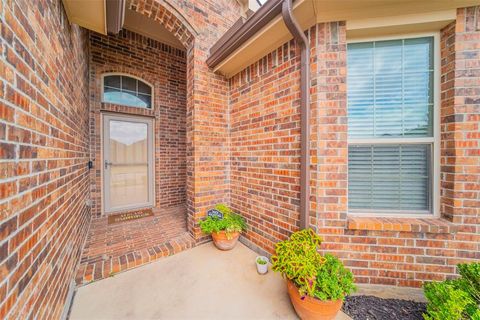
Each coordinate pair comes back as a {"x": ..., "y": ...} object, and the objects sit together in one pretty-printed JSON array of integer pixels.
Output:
[{"x": 104, "y": 17}]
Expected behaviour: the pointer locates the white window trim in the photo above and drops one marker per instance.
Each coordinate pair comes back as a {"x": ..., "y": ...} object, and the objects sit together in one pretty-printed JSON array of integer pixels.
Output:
[
  {"x": 131, "y": 76},
  {"x": 435, "y": 140}
]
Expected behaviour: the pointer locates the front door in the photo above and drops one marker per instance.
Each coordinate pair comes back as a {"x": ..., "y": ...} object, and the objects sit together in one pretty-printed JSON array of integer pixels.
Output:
[{"x": 127, "y": 162}]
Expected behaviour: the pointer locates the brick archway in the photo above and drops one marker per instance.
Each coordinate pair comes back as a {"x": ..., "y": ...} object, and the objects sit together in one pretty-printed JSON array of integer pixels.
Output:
[{"x": 168, "y": 17}]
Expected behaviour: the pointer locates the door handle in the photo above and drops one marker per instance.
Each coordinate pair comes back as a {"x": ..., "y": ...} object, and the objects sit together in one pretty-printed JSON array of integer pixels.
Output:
[{"x": 107, "y": 164}]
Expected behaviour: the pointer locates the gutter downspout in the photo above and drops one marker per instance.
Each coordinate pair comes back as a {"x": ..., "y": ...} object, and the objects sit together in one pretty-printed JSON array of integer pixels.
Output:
[
  {"x": 115, "y": 15},
  {"x": 304, "y": 43}
]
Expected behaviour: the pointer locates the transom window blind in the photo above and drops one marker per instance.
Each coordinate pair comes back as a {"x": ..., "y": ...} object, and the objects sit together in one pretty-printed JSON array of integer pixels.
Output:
[{"x": 390, "y": 125}]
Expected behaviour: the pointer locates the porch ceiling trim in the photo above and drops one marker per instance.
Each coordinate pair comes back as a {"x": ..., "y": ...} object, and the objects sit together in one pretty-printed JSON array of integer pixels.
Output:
[{"x": 249, "y": 40}]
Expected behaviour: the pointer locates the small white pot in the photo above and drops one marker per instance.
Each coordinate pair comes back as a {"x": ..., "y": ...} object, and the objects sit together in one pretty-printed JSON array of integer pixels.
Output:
[{"x": 262, "y": 268}]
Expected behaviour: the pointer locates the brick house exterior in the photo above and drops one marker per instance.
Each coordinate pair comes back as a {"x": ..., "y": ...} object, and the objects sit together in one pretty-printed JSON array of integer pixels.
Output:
[
  {"x": 235, "y": 141},
  {"x": 46, "y": 136},
  {"x": 265, "y": 160}
]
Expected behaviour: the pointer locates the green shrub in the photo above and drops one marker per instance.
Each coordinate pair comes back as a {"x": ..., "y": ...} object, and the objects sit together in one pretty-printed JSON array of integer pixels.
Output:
[
  {"x": 456, "y": 299},
  {"x": 445, "y": 302},
  {"x": 333, "y": 280},
  {"x": 230, "y": 223},
  {"x": 261, "y": 261},
  {"x": 470, "y": 279},
  {"x": 298, "y": 260}
]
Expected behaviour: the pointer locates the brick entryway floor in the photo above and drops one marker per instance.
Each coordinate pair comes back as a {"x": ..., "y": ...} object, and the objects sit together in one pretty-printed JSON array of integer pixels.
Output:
[{"x": 112, "y": 248}]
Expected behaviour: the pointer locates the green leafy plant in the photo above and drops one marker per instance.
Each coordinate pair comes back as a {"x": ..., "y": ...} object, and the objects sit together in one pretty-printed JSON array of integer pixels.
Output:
[
  {"x": 456, "y": 299},
  {"x": 261, "y": 261},
  {"x": 470, "y": 279},
  {"x": 321, "y": 277},
  {"x": 230, "y": 223},
  {"x": 445, "y": 301},
  {"x": 333, "y": 280}
]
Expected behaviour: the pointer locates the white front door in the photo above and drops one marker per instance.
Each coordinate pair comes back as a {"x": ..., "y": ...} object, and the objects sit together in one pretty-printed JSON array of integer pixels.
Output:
[{"x": 127, "y": 162}]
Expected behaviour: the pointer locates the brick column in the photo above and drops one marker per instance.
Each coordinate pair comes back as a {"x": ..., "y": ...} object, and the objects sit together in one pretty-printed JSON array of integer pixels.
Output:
[
  {"x": 329, "y": 107},
  {"x": 460, "y": 118},
  {"x": 207, "y": 139},
  {"x": 198, "y": 25}
]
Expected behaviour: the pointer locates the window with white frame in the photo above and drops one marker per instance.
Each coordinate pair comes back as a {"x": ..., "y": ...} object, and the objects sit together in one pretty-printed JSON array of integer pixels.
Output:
[
  {"x": 391, "y": 126},
  {"x": 127, "y": 90}
]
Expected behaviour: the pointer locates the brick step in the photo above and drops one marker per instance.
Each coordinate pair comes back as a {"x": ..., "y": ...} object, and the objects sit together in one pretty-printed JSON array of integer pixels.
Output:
[{"x": 93, "y": 271}]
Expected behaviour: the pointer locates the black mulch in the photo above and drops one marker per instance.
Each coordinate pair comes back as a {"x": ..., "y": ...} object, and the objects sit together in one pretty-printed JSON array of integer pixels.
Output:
[{"x": 373, "y": 308}]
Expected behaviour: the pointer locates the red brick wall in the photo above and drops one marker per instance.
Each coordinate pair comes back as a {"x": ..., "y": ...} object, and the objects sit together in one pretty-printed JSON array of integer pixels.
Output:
[
  {"x": 265, "y": 145},
  {"x": 265, "y": 137},
  {"x": 46, "y": 53},
  {"x": 460, "y": 130},
  {"x": 44, "y": 146},
  {"x": 165, "y": 68},
  {"x": 329, "y": 173},
  {"x": 264, "y": 117}
]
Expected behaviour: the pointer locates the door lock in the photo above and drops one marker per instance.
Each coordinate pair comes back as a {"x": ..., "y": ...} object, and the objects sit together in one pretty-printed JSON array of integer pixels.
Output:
[{"x": 107, "y": 164}]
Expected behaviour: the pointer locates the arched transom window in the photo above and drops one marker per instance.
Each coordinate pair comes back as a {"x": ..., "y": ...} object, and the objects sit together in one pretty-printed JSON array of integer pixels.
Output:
[{"x": 127, "y": 90}]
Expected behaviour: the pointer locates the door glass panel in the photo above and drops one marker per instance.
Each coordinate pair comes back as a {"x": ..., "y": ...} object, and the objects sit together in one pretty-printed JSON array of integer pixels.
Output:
[{"x": 128, "y": 154}]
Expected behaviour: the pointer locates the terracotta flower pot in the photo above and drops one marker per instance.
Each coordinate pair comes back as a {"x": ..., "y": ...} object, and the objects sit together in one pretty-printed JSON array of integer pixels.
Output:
[
  {"x": 310, "y": 308},
  {"x": 222, "y": 242}
]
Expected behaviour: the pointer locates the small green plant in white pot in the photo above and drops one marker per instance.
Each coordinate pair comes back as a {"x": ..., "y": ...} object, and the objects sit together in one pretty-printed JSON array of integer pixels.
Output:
[{"x": 262, "y": 264}]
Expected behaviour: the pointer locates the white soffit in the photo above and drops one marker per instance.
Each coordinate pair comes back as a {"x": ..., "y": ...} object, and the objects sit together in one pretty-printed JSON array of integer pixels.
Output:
[
  {"x": 89, "y": 14},
  {"x": 141, "y": 24},
  {"x": 411, "y": 23},
  {"x": 270, "y": 37},
  {"x": 361, "y": 17}
]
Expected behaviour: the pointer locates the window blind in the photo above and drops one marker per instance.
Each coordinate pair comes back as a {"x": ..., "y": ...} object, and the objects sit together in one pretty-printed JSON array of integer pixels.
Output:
[
  {"x": 390, "y": 88},
  {"x": 389, "y": 177}
]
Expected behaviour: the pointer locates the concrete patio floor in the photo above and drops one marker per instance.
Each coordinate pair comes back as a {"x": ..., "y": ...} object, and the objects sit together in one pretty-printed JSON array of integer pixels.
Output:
[{"x": 200, "y": 283}]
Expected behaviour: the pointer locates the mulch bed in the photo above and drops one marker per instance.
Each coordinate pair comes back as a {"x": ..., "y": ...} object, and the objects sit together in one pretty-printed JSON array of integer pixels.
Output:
[{"x": 373, "y": 308}]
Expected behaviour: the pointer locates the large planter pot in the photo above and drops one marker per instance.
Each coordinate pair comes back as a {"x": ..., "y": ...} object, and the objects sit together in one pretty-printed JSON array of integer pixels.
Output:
[
  {"x": 222, "y": 242},
  {"x": 310, "y": 308}
]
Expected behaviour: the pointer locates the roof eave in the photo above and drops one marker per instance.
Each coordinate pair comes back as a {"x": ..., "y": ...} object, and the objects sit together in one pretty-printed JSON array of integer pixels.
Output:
[{"x": 241, "y": 31}]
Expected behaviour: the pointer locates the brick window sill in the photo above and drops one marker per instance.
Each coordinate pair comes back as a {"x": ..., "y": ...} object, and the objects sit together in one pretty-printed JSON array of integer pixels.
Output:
[{"x": 425, "y": 225}]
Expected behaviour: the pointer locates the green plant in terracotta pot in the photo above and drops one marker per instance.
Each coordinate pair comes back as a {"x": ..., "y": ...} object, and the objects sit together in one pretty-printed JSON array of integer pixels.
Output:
[
  {"x": 225, "y": 229},
  {"x": 317, "y": 284}
]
